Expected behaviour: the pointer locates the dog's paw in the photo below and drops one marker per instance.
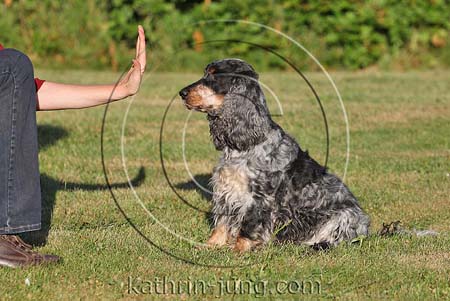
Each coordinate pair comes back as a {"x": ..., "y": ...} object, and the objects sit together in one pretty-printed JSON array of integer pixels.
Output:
[
  {"x": 219, "y": 237},
  {"x": 243, "y": 245}
]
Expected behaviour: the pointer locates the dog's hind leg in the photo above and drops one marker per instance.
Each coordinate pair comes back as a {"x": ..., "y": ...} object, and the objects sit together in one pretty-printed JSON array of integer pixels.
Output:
[{"x": 342, "y": 226}]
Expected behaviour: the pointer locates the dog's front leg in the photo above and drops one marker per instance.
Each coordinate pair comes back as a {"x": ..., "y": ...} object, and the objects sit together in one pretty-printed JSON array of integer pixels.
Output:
[
  {"x": 219, "y": 236},
  {"x": 256, "y": 229}
]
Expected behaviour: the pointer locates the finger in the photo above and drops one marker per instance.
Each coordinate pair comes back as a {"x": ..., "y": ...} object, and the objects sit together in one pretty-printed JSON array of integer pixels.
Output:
[
  {"x": 138, "y": 44},
  {"x": 142, "y": 56}
]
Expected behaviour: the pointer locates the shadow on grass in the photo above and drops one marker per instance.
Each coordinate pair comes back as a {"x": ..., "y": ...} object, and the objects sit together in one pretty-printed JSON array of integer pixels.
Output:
[
  {"x": 48, "y": 136},
  {"x": 203, "y": 180}
]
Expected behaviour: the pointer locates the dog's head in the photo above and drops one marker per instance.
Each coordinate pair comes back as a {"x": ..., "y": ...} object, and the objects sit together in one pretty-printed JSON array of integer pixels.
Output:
[
  {"x": 231, "y": 96},
  {"x": 221, "y": 79}
]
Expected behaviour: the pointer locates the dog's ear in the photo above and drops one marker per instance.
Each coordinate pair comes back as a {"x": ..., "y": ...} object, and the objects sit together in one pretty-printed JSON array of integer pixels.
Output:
[
  {"x": 242, "y": 123},
  {"x": 215, "y": 129}
]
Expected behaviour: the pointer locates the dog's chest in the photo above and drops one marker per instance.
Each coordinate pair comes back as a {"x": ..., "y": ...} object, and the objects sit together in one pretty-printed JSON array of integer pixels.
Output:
[
  {"x": 232, "y": 194},
  {"x": 231, "y": 179}
]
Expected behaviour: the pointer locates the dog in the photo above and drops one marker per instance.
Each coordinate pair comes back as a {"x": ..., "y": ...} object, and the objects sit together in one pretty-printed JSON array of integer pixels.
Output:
[{"x": 265, "y": 187}]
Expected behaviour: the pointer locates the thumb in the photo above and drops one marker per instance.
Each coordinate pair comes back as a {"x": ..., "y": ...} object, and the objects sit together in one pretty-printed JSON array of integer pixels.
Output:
[{"x": 137, "y": 65}]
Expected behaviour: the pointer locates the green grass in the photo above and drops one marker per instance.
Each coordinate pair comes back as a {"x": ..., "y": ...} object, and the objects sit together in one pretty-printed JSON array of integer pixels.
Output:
[{"x": 399, "y": 169}]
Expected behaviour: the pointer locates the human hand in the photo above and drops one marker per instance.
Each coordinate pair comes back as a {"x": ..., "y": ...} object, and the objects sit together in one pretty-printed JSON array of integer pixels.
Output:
[
  {"x": 132, "y": 80},
  {"x": 57, "y": 96}
]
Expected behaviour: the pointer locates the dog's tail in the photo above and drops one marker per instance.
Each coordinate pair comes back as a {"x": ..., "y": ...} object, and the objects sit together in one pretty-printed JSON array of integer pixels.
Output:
[
  {"x": 395, "y": 228},
  {"x": 389, "y": 229}
]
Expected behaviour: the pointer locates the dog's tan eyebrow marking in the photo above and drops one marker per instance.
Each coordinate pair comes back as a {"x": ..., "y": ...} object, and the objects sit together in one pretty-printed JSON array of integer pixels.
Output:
[{"x": 211, "y": 70}]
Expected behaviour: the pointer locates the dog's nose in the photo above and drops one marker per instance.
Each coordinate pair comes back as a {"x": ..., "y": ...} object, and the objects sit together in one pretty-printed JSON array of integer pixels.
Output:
[{"x": 184, "y": 93}]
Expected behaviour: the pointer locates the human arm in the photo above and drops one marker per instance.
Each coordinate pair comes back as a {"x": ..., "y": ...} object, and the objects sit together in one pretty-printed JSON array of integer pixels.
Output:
[{"x": 57, "y": 96}]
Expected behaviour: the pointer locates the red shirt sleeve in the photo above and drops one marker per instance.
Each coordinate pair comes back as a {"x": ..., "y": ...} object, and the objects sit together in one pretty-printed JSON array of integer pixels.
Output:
[{"x": 38, "y": 82}]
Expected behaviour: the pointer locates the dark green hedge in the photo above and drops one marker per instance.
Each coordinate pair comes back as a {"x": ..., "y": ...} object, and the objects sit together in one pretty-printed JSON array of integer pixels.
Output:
[{"x": 341, "y": 34}]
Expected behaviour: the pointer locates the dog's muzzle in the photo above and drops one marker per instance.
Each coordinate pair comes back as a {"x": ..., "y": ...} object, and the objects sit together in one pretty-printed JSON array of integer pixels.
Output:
[{"x": 184, "y": 93}]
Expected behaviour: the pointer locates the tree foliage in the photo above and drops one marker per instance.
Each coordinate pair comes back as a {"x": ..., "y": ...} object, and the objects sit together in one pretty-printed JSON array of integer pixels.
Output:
[{"x": 346, "y": 34}]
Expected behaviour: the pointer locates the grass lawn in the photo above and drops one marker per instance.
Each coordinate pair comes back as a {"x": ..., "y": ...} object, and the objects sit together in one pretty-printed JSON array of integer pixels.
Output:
[{"x": 399, "y": 169}]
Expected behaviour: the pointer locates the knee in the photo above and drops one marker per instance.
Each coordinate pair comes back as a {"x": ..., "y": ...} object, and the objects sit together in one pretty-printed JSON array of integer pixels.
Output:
[{"x": 18, "y": 62}]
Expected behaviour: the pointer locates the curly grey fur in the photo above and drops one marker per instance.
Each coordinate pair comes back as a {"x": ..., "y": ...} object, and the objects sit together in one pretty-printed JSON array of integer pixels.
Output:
[{"x": 264, "y": 183}]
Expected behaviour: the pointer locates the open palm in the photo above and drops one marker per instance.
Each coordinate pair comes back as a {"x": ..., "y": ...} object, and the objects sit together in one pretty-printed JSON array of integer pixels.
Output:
[{"x": 132, "y": 80}]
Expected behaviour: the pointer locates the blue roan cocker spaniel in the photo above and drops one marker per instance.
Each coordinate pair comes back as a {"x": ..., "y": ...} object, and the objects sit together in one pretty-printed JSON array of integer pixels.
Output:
[{"x": 265, "y": 186}]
